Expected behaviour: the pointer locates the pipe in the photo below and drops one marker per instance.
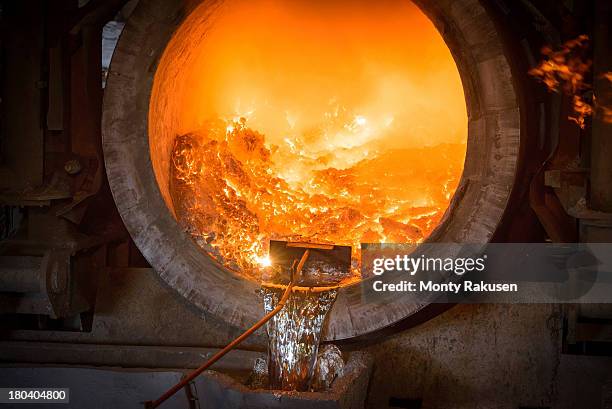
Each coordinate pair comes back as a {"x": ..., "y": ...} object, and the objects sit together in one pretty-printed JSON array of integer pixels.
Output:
[
  {"x": 295, "y": 271},
  {"x": 21, "y": 274}
]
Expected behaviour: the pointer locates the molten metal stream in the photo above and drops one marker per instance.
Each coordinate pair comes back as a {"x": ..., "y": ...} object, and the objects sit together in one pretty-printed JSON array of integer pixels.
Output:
[
  {"x": 294, "y": 335},
  {"x": 295, "y": 272}
]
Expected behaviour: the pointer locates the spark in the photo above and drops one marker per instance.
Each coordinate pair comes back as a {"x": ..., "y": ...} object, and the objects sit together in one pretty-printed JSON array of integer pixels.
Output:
[
  {"x": 361, "y": 120},
  {"x": 264, "y": 261}
]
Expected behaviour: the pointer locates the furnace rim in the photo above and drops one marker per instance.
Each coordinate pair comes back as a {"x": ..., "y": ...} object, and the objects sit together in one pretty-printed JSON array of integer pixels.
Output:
[{"x": 477, "y": 207}]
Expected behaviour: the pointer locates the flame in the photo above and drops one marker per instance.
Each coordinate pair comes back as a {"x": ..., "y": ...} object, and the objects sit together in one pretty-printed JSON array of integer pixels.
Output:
[
  {"x": 566, "y": 70},
  {"x": 582, "y": 110}
]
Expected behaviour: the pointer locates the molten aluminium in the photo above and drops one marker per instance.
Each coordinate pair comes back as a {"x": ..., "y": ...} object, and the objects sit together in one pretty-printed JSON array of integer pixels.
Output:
[{"x": 295, "y": 332}]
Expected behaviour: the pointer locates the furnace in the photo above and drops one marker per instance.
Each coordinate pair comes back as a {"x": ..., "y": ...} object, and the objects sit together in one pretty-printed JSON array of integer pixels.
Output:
[
  {"x": 338, "y": 204},
  {"x": 314, "y": 129},
  {"x": 225, "y": 130}
]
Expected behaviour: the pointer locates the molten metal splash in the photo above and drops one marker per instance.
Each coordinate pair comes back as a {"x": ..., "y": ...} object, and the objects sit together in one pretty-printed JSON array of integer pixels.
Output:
[{"x": 233, "y": 192}]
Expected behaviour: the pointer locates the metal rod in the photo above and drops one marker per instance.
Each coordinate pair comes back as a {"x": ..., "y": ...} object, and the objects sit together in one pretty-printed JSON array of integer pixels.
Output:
[{"x": 295, "y": 271}]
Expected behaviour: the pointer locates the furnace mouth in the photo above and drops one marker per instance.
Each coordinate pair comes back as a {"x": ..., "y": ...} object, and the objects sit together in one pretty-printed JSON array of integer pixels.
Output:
[
  {"x": 307, "y": 157},
  {"x": 156, "y": 91}
]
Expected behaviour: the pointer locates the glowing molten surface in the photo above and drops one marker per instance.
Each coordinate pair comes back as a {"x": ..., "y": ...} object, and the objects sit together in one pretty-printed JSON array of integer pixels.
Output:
[{"x": 338, "y": 122}]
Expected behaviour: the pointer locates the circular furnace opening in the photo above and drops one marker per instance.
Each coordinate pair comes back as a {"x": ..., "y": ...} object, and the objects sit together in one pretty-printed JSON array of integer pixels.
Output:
[
  {"x": 143, "y": 116},
  {"x": 306, "y": 121}
]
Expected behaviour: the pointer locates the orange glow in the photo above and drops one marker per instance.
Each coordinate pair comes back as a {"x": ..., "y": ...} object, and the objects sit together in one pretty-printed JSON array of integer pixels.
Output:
[
  {"x": 565, "y": 70},
  {"x": 340, "y": 122}
]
